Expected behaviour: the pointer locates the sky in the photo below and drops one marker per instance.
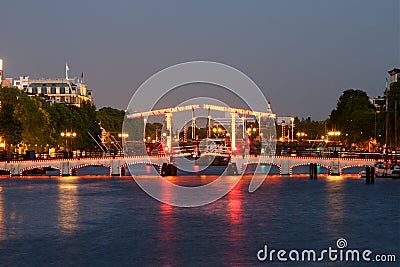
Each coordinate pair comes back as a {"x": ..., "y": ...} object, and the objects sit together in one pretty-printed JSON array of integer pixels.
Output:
[{"x": 302, "y": 54}]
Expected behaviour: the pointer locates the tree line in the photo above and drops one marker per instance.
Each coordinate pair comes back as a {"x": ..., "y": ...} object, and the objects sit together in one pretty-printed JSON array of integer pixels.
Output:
[{"x": 35, "y": 124}]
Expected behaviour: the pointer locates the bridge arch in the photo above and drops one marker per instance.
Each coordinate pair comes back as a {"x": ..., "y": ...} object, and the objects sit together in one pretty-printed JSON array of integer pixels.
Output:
[
  {"x": 122, "y": 168},
  {"x": 72, "y": 171},
  {"x": 352, "y": 166},
  {"x": 272, "y": 164},
  {"x": 329, "y": 169},
  {"x": 3, "y": 171},
  {"x": 23, "y": 171}
]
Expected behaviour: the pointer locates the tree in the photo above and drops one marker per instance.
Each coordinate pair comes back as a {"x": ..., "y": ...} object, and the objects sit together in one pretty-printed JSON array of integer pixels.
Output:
[
  {"x": 313, "y": 129},
  {"x": 394, "y": 106},
  {"x": 60, "y": 121},
  {"x": 354, "y": 116},
  {"x": 84, "y": 122},
  {"x": 35, "y": 121},
  {"x": 10, "y": 126},
  {"x": 111, "y": 119}
]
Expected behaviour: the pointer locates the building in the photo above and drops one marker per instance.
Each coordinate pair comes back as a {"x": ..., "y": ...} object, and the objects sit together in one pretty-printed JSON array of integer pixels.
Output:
[
  {"x": 1, "y": 71},
  {"x": 72, "y": 91},
  {"x": 394, "y": 75},
  {"x": 378, "y": 102},
  {"x": 5, "y": 82},
  {"x": 59, "y": 90}
]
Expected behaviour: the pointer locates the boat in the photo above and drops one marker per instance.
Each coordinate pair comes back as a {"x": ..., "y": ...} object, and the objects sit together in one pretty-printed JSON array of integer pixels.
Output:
[
  {"x": 213, "y": 152},
  {"x": 396, "y": 172},
  {"x": 384, "y": 170}
]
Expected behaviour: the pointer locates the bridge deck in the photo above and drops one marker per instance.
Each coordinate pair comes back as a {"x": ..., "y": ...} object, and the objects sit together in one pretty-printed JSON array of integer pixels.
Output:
[{"x": 285, "y": 164}]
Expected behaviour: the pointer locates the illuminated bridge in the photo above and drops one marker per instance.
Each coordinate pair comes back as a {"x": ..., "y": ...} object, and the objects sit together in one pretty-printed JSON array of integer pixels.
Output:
[
  {"x": 238, "y": 156},
  {"x": 234, "y": 117},
  {"x": 117, "y": 165}
]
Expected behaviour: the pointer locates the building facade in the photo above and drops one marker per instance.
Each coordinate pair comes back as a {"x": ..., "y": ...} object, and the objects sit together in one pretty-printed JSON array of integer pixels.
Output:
[
  {"x": 70, "y": 91},
  {"x": 1, "y": 71},
  {"x": 394, "y": 75}
]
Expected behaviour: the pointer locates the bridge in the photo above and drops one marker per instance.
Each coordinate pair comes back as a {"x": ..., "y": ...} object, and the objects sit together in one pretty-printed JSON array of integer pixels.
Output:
[
  {"x": 116, "y": 165},
  {"x": 234, "y": 118},
  {"x": 135, "y": 149}
]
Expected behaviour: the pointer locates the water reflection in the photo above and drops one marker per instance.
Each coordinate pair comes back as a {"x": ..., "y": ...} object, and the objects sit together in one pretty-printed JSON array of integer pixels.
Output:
[
  {"x": 167, "y": 232},
  {"x": 2, "y": 215},
  {"x": 335, "y": 206},
  {"x": 237, "y": 235},
  {"x": 68, "y": 206},
  {"x": 235, "y": 205}
]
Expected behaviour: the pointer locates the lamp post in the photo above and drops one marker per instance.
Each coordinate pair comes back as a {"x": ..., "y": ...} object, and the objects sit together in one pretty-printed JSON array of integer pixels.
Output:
[
  {"x": 70, "y": 136},
  {"x": 300, "y": 135},
  {"x": 123, "y": 135},
  {"x": 334, "y": 134},
  {"x": 218, "y": 131}
]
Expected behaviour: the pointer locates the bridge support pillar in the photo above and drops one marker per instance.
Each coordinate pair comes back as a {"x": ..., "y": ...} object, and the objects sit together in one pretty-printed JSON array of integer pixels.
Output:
[
  {"x": 14, "y": 170},
  {"x": 169, "y": 169},
  {"x": 285, "y": 168},
  {"x": 232, "y": 169},
  {"x": 313, "y": 171},
  {"x": 115, "y": 168},
  {"x": 335, "y": 168},
  {"x": 65, "y": 168},
  {"x": 370, "y": 175}
]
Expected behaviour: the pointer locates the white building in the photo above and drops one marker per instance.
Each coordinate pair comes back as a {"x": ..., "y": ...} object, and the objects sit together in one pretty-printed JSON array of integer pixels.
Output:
[{"x": 69, "y": 91}]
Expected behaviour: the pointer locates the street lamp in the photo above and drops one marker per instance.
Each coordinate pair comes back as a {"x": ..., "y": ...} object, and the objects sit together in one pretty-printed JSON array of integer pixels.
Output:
[
  {"x": 300, "y": 135},
  {"x": 123, "y": 135},
  {"x": 250, "y": 130},
  {"x": 68, "y": 135},
  {"x": 333, "y": 134}
]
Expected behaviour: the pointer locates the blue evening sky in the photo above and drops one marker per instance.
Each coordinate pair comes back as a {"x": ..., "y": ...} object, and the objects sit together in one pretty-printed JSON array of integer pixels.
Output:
[{"x": 302, "y": 54}]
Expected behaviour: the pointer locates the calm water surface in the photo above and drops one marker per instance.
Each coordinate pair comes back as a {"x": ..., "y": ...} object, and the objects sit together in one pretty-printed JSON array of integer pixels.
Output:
[{"x": 86, "y": 221}]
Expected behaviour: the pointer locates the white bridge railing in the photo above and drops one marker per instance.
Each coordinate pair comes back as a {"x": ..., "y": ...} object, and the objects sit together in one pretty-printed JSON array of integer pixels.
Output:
[{"x": 115, "y": 164}]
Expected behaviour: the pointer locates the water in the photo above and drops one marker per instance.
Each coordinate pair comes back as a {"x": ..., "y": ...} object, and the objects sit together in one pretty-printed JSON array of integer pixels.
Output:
[{"x": 100, "y": 221}]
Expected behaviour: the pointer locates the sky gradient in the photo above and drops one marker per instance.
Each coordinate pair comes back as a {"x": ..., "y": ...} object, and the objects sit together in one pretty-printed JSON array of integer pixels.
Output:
[{"x": 302, "y": 54}]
